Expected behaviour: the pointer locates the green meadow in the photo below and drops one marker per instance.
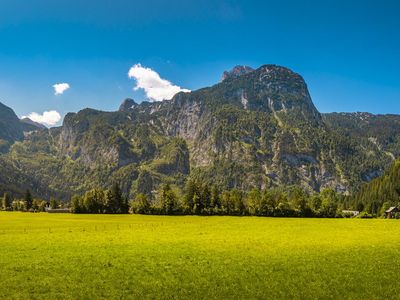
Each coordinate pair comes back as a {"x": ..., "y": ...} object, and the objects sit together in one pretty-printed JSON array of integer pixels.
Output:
[{"x": 59, "y": 256}]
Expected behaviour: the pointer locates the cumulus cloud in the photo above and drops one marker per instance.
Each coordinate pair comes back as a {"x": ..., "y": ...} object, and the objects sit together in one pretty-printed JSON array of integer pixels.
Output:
[
  {"x": 155, "y": 87},
  {"x": 60, "y": 88},
  {"x": 48, "y": 118}
]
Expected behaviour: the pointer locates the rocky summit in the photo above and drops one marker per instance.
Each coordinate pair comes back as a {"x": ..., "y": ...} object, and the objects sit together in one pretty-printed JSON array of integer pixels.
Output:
[
  {"x": 127, "y": 104},
  {"x": 255, "y": 128},
  {"x": 236, "y": 72}
]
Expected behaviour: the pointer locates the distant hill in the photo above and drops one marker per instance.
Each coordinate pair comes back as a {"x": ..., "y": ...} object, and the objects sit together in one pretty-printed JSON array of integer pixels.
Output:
[{"x": 256, "y": 128}]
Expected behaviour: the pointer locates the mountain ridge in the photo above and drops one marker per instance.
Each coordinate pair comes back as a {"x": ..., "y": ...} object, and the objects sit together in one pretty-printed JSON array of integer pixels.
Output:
[{"x": 258, "y": 128}]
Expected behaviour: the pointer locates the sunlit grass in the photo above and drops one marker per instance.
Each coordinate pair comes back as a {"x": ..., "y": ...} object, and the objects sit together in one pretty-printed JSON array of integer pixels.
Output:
[{"x": 131, "y": 256}]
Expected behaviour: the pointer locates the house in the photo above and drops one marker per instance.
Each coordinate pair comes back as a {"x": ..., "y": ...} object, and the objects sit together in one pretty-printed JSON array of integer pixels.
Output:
[{"x": 392, "y": 212}]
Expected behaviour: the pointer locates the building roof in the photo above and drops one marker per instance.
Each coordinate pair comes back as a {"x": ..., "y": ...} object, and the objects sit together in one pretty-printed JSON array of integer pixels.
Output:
[{"x": 392, "y": 209}]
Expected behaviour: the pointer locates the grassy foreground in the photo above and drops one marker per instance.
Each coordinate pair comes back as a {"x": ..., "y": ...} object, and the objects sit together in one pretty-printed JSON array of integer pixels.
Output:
[{"x": 57, "y": 256}]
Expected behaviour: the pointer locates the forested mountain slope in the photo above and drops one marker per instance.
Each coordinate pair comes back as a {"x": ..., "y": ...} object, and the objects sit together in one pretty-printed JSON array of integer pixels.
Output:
[{"x": 381, "y": 193}]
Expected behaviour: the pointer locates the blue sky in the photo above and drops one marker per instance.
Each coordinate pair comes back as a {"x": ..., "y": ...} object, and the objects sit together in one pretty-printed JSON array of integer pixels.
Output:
[{"x": 347, "y": 51}]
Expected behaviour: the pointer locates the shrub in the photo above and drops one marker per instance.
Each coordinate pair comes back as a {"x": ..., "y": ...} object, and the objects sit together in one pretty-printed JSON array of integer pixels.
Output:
[{"x": 365, "y": 215}]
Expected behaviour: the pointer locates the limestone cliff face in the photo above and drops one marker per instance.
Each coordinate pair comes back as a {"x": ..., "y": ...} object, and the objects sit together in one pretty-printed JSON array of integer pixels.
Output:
[{"x": 251, "y": 126}]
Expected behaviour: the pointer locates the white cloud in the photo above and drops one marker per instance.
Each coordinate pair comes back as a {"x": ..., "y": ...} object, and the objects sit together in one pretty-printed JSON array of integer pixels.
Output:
[
  {"x": 60, "y": 88},
  {"x": 49, "y": 118},
  {"x": 156, "y": 88}
]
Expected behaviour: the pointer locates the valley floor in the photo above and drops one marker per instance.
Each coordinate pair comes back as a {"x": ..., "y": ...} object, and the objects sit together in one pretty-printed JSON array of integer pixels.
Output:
[{"x": 58, "y": 256}]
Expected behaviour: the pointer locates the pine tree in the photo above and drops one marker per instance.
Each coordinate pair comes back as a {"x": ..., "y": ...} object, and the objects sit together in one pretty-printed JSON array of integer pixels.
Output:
[
  {"x": 76, "y": 204},
  {"x": 215, "y": 198},
  {"x": 28, "y": 199},
  {"x": 237, "y": 200},
  {"x": 168, "y": 200},
  {"x": 190, "y": 192},
  {"x": 205, "y": 197},
  {"x": 115, "y": 201},
  {"x": 254, "y": 201},
  {"x": 53, "y": 203}
]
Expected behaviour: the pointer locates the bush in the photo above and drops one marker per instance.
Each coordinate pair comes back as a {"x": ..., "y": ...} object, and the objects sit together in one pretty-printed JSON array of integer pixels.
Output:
[
  {"x": 365, "y": 215},
  {"x": 345, "y": 215}
]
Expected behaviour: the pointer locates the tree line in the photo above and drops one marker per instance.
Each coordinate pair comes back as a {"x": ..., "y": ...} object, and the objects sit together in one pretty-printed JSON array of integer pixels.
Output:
[
  {"x": 202, "y": 199},
  {"x": 28, "y": 203},
  {"x": 199, "y": 198},
  {"x": 98, "y": 201}
]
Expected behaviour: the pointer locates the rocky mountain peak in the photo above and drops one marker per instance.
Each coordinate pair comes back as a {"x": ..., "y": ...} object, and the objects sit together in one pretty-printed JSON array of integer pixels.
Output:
[
  {"x": 127, "y": 104},
  {"x": 236, "y": 72}
]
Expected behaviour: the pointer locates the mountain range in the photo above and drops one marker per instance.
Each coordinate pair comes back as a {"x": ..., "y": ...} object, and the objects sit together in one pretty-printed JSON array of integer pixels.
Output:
[{"x": 255, "y": 128}]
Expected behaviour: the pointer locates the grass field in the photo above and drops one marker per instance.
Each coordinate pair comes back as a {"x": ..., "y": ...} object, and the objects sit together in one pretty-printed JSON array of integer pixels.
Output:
[{"x": 58, "y": 256}]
